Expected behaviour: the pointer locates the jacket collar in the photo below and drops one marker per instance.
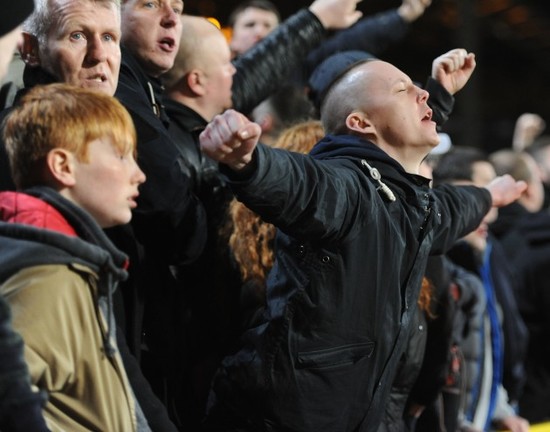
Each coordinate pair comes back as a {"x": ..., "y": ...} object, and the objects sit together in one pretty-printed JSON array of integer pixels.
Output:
[
  {"x": 151, "y": 86},
  {"x": 186, "y": 117},
  {"x": 333, "y": 146},
  {"x": 359, "y": 150}
]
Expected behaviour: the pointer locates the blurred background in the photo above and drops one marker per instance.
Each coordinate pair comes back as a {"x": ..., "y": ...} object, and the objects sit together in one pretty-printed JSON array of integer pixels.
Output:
[{"x": 511, "y": 39}]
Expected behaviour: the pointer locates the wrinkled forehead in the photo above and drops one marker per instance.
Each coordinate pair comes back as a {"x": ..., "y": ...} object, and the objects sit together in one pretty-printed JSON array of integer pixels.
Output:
[{"x": 63, "y": 10}]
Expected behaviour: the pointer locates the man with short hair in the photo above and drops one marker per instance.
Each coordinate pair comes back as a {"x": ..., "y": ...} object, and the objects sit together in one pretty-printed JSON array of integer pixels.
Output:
[
  {"x": 75, "y": 42},
  {"x": 356, "y": 226},
  {"x": 168, "y": 229},
  {"x": 72, "y": 41}
]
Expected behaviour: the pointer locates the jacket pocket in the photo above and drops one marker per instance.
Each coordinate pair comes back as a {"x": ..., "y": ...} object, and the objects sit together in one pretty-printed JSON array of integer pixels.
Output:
[{"x": 334, "y": 357}]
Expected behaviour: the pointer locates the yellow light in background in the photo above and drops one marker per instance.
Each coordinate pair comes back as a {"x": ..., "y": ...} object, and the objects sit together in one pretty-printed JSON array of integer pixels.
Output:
[
  {"x": 215, "y": 22},
  {"x": 226, "y": 31}
]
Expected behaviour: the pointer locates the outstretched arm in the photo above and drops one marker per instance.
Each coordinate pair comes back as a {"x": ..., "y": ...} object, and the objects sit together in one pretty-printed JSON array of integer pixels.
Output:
[
  {"x": 505, "y": 190},
  {"x": 230, "y": 139},
  {"x": 453, "y": 69}
]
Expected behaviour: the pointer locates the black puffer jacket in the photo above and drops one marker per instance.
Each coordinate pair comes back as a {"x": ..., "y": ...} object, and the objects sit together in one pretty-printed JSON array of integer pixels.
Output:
[{"x": 341, "y": 296}]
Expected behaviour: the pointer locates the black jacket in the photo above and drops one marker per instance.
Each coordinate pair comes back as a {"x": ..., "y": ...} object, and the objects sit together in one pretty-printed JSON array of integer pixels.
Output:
[
  {"x": 208, "y": 306},
  {"x": 256, "y": 80},
  {"x": 166, "y": 227},
  {"x": 525, "y": 237},
  {"x": 295, "y": 49},
  {"x": 167, "y": 230},
  {"x": 348, "y": 269}
]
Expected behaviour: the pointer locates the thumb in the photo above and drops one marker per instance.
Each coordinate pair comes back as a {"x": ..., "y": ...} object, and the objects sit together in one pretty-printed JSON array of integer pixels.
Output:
[{"x": 250, "y": 131}]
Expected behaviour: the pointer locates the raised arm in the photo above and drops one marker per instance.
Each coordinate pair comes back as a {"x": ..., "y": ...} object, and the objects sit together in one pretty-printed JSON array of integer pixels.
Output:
[
  {"x": 262, "y": 69},
  {"x": 453, "y": 69},
  {"x": 411, "y": 10},
  {"x": 336, "y": 14}
]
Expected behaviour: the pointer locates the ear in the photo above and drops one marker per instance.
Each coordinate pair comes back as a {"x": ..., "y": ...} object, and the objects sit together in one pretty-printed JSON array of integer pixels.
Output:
[
  {"x": 196, "y": 81},
  {"x": 358, "y": 121},
  {"x": 266, "y": 122},
  {"x": 29, "y": 50},
  {"x": 61, "y": 167}
]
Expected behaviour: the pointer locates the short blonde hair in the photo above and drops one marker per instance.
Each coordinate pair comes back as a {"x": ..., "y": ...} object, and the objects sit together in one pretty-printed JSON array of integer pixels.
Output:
[{"x": 62, "y": 116}]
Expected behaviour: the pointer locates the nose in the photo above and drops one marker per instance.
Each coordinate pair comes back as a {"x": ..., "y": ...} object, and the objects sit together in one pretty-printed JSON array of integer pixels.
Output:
[
  {"x": 96, "y": 52},
  {"x": 261, "y": 31},
  {"x": 169, "y": 18},
  {"x": 138, "y": 176},
  {"x": 233, "y": 69},
  {"x": 423, "y": 95}
]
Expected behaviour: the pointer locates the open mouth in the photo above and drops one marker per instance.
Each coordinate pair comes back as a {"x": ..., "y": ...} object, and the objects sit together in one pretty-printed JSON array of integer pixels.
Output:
[
  {"x": 428, "y": 116},
  {"x": 99, "y": 78},
  {"x": 167, "y": 43}
]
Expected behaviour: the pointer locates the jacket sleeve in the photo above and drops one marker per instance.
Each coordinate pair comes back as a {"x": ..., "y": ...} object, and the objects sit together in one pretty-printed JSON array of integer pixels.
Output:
[
  {"x": 372, "y": 34},
  {"x": 20, "y": 406},
  {"x": 440, "y": 101},
  {"x": 461, "y": 210},
  {"x": 304, "y": 197},
  {"x": 262, "y": 70}
]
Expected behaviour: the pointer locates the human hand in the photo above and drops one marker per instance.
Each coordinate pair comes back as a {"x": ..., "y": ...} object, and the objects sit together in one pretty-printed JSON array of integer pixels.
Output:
[
  {"x": 528, "y": 127},
  {"x": 336, "y": 14},
  {"x": 453, "y": 69},
  {"x": 411, "y": 10},
  {"x": 505, "y": 190},
  {"x": 230, "y": 138},
  {"x": 514, "y": 424}
]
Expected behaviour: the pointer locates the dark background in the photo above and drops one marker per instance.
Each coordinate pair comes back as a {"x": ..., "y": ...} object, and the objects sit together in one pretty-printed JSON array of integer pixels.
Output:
[{"x": 511, "y": 39}]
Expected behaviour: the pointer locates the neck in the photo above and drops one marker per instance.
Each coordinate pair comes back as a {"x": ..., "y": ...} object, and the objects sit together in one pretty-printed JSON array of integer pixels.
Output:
[
  {"x": 191, "y": 101},
  {"x": 409, "y": 158}
]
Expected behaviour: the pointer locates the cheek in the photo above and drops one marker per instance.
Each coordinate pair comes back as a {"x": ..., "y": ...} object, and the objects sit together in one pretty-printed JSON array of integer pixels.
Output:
[{"x": 69, "y": 63}]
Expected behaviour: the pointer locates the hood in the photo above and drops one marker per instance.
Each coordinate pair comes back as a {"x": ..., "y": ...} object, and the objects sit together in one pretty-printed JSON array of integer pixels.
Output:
[
  {"x": 333, "y": 146},
  {"x": 40, "y": 227},
  {"x": 381, "y": 167},
  {"x": 25, "y": 209}
]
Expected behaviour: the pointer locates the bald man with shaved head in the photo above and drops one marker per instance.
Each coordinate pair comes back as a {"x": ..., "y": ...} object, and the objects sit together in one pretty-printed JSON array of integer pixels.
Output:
[{"x": 356, "y": 224}]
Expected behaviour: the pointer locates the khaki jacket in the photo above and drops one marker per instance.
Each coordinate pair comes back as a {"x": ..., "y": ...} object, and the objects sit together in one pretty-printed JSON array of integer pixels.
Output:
[{"x": 64, "y": 333}]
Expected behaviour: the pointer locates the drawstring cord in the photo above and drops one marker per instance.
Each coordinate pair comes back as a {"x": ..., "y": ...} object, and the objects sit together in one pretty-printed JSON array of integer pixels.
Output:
[
  {"x": 107, "y": 343},
  {"x": 375, "y": 174}
]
